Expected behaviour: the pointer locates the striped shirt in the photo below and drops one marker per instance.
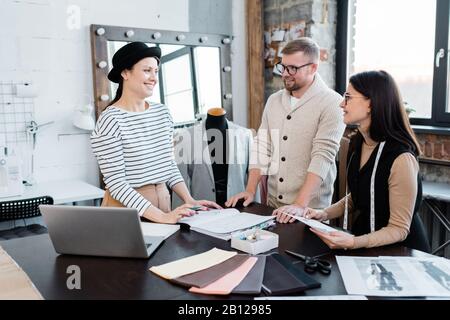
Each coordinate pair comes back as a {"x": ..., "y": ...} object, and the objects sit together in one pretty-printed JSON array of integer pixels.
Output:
[{"x": 134, "y": 149}]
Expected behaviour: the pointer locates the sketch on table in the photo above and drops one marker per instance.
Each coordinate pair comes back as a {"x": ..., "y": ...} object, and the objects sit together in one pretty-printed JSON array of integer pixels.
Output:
[{"x": 380, "y": 278}]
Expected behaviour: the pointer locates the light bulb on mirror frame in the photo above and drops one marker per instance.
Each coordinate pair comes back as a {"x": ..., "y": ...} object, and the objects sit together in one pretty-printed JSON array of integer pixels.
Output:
[
  {"x": 100, "y": 31},
  {"x": 102, "y": 64}
]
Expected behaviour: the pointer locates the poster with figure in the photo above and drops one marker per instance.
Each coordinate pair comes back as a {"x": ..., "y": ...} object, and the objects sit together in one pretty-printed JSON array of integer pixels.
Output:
[{"x": 395, "y": 276}]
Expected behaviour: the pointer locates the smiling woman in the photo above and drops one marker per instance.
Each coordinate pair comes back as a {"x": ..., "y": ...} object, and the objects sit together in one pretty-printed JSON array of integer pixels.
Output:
[
  {"x": 136, "y": 67},
  {"x": 133, "y": 141}
]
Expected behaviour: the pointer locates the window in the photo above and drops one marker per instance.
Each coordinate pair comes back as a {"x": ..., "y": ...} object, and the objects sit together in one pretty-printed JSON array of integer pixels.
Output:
[
  {"x": 407, "y": 38},
  {"x": 177, "y": 85},
  {"x": 208, "y": 78}
]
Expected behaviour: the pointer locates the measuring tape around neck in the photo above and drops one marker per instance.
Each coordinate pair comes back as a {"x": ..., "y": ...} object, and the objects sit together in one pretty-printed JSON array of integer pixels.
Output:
[{"x": 372, "y": 192}]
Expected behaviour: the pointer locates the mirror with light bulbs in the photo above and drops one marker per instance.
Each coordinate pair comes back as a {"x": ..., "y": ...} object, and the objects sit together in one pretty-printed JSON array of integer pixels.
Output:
[{"x": 194, "y": 76}]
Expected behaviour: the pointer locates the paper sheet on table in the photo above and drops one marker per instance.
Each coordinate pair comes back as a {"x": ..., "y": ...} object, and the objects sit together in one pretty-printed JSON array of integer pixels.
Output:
[
  {"x": 192, "y": 264},
  {"x": 159, "y": 229},
  {"x": 313, "y": 223},
  {"x": 395, "y": 276},
  {"x": 14, "y": 282},
  {"x": 228, "y": 282}
]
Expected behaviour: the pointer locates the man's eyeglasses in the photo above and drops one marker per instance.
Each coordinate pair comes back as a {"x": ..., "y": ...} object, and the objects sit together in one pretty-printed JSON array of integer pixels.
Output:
[
  {"x": 347, "y": 97},
  {"x": 292, "y": 70}
]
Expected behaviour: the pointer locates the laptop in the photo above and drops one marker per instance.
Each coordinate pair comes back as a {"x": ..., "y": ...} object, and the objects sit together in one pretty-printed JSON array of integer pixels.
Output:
[{"x": 98, "y": 231}]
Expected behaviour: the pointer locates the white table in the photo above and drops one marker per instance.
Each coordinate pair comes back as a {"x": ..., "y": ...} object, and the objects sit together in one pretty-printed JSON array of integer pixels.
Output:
[
  {"x": 432, "y": 192},
  {"x": 66, "y": 191}
]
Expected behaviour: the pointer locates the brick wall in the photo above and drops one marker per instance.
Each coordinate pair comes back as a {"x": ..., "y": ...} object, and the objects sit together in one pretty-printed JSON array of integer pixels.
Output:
[
  {"x": 320, "y": 19},
  {"x": 435, "y": 148}
]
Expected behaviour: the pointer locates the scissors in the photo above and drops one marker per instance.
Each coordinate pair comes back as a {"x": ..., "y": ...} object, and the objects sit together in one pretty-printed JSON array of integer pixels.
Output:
[{"x": 313, "y": 264}]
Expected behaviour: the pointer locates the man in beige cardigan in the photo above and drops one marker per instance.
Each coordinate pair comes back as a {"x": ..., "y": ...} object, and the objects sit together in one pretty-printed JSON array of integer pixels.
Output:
[{"x": 299, "y": 137}]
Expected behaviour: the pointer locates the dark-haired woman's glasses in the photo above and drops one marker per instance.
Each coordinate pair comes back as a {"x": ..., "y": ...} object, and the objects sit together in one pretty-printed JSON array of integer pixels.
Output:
[
  {"x": 292, "y": 70},
  {"x": 347, "y": 97}
]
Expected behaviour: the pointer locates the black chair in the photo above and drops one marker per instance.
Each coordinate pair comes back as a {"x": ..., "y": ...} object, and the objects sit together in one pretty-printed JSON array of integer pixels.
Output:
[{"x": 22, "y": 209}]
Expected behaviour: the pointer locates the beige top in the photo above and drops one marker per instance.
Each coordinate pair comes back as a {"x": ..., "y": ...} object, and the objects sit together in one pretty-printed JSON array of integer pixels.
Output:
[
  {"x": 293, "y": 141},
  {"x": 402, "y": 197}
]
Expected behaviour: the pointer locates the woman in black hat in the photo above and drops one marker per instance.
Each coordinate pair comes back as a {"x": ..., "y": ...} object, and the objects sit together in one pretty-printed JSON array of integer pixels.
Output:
[{"x": 133, "y": 142}]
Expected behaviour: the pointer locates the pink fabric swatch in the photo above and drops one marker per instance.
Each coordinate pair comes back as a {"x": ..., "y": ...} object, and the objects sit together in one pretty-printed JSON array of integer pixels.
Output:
[{"x": 228, "y": 282}]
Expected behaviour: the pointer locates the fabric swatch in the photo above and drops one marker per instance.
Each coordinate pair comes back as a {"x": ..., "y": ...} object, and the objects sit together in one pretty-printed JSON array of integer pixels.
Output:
[
  {"x": 202, "y": 278},
  {"x": 192, "y": 264},
  {"x": 227, "y": 283},
  {"x": 309, "y": 281},
  {"x": 278, "y": 280},
  {"x": 252, "y": 283}
]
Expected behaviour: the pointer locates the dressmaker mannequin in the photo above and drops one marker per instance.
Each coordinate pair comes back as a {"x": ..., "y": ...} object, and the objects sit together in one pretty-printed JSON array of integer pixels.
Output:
[{"x": 224, "y": 173}]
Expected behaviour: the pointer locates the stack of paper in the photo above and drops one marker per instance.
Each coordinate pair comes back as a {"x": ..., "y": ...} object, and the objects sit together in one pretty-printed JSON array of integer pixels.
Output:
[{"x": 223, "y": 223}]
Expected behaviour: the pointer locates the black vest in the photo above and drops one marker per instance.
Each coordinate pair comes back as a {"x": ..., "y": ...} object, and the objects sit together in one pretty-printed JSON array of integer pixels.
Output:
[{"x": 359, "y": 186}]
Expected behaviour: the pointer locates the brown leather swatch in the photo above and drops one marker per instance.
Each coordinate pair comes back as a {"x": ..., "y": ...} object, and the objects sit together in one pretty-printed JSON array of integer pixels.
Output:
[{"x": 207, "y": 276}]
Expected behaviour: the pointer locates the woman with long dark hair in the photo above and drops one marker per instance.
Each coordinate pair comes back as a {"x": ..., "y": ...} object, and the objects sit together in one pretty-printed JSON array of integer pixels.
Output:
[
  {"x": 133, "y": 142},
  {"x": 384, "y": 186}
]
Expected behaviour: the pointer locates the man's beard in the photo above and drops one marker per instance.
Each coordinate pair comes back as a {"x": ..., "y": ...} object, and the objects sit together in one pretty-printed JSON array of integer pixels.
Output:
[{"x": 293, "y": 87}]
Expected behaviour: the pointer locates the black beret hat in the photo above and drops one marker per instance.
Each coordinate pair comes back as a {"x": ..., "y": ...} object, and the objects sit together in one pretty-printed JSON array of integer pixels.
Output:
[{"x": 128, "y": 56}]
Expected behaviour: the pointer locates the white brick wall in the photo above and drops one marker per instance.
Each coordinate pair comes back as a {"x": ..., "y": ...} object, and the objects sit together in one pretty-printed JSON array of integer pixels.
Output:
[{"x": 37, "y": 45}]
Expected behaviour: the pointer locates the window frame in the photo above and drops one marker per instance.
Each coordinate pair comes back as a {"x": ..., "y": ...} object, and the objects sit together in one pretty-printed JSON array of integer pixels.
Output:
[
  {"x": 441, "y": 93},
  {"x": 172, "y": 56}
]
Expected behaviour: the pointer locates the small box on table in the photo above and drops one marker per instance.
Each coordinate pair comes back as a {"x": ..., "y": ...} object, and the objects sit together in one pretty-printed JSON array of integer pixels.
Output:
[{"x": 255, "y": 241}]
